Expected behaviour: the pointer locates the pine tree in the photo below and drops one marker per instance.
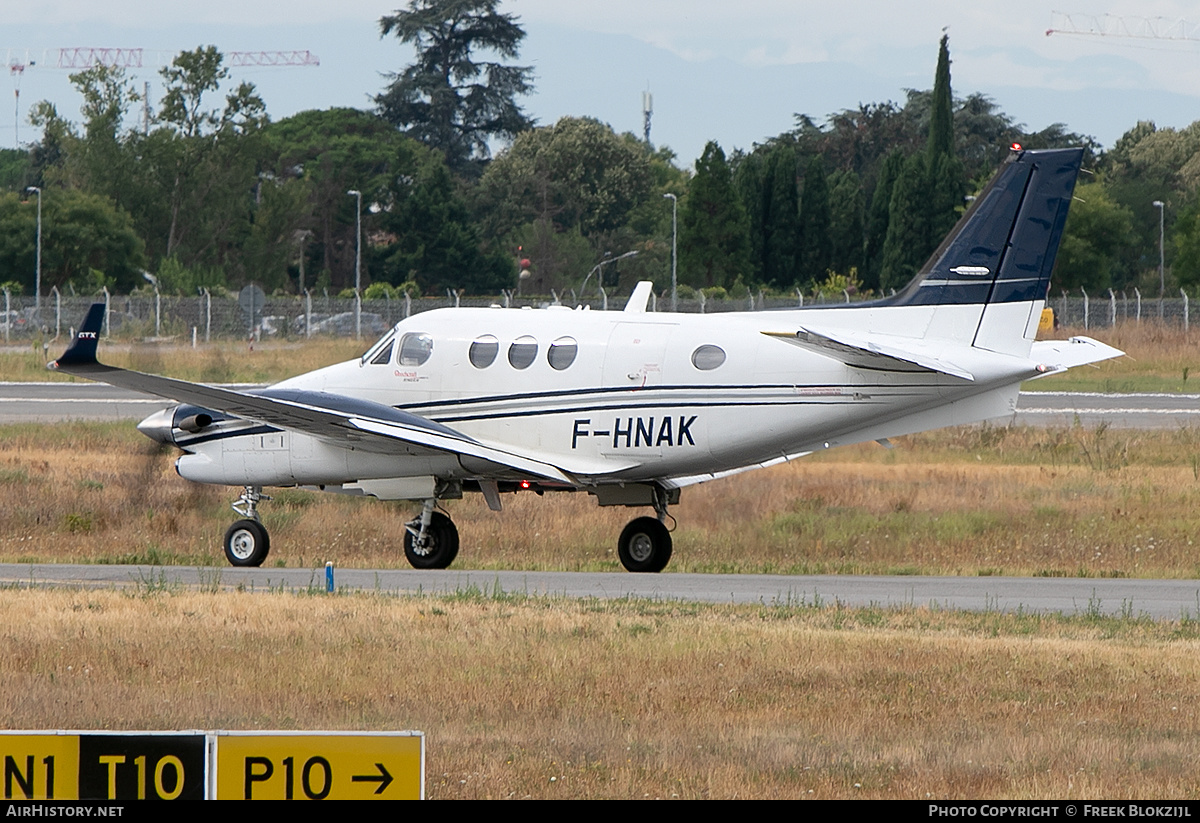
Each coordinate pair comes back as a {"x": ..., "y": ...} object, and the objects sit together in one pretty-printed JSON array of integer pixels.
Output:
[
  {"x": 445, "y": 99},
  {"x": 815, "y": 250},
  {"x": 781, "y": 218},
  {"x": 714, "y": 229}
]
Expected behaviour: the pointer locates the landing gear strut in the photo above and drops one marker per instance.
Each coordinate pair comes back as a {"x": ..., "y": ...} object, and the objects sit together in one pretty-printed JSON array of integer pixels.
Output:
[
  {"x": 247, "y": 542},
  {"x": 431, "y": 540},
  {"x": 645, "y": 544}
]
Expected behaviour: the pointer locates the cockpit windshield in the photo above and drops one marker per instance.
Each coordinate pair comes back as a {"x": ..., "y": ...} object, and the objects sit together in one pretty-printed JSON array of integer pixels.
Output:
[{"x": 375, "y": 351}]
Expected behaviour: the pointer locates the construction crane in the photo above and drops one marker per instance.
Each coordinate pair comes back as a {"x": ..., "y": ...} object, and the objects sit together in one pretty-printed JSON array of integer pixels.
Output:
[
  {"x": 86, "y": 57},
  {"x": 1111, "y": 25}
]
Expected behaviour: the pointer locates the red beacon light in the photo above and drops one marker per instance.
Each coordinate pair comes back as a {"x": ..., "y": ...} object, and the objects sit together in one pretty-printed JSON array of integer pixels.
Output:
[
  {"x": 1015, "y": 146},
  {"x": 524, "y": 484}
]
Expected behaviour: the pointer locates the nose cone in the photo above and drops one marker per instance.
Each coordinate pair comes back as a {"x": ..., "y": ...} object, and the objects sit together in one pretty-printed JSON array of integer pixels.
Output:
[{"x": 159, "y": 425}]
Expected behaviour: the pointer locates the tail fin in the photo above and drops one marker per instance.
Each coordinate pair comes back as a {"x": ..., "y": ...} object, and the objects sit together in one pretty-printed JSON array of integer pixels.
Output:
[
  {"x": 996, "y": 262},
  {"x": 80, "y": 356}
]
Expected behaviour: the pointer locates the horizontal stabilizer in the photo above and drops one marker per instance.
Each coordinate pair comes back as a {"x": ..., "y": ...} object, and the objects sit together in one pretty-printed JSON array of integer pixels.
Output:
[
  {"x": 870, "y": 353},
  {"x": 1056, "y": 356}
]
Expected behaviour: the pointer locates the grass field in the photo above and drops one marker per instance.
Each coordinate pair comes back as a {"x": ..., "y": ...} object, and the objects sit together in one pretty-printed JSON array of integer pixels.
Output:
[
  {"x": 550, "y": 698},
  {"x": 970, "y": 501}
]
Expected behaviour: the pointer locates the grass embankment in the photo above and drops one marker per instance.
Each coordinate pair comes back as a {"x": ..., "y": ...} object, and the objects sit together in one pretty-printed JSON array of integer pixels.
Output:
[
  {"x": 582, "y": 699},
  {"x": 970, "y": 501}
]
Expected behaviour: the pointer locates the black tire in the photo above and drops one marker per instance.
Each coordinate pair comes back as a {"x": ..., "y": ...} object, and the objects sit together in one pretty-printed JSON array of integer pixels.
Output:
[
  {"x": 247, "y": 543},
  {"x": 441, "y": 544},
  {"x": 645, "y": 546}
]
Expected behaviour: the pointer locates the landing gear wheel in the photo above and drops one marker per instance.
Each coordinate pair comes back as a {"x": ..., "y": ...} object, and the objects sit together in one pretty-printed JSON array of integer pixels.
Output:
[
  {"x": 247, "y": 543},
  {"x": 645, "y": 546},
  {"x": 441, "y": 543}
]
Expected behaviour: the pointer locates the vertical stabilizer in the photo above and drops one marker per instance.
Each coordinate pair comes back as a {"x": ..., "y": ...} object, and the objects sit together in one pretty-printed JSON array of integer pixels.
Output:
[{"x": 988, "y": 279}]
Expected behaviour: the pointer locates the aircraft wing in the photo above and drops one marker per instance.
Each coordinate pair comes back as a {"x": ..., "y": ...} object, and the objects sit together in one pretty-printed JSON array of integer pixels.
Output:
[
  {"x": 871, "y": 352},
  {"x": 332, "y": 416}
]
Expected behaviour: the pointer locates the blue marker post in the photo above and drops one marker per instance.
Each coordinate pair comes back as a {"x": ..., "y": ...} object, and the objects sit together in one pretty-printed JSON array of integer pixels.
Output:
[{"x": 329, "y": 576}]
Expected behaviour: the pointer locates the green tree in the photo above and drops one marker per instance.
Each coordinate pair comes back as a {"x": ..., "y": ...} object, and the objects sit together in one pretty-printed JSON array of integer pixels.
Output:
[
  {"x": 576, "y": 173},
  {"x": 714, "y": 232},
  {"x": 81, "y": 233},
  {"x": 780, "y": 218},
  {"x": 845, "y": 222},
  {"x": 906, "y": 245},
  {"x": 436, "y": 243},
  {"x": 447, "y": 99},
  {"x": 815, "y": 254},
  {"x": 1097, "y": 249},
  {"x": 877, "y": 219}
]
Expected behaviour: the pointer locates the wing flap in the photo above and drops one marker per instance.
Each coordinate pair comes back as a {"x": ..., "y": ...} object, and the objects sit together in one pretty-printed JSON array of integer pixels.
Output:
[{"x": 870, "y": 352}]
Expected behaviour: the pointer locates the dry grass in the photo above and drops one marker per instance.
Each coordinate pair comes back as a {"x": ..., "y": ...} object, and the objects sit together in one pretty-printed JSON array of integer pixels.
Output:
[
  {"x": 218, "y": 362},
  {"x": 548, "y": 698},
  {"x": 970, "y": 501}
]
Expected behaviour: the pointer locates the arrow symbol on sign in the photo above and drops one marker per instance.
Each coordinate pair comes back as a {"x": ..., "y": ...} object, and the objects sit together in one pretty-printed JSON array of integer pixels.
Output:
[{"x": 384, "y": 778}]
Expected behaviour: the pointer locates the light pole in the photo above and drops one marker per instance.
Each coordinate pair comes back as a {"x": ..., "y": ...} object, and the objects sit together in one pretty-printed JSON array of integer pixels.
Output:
[
  {"x": 357, "y": 263},
  {"x": 674, "y": 262},
  {"x": 599, "y": 267},
  {"x": 37, "y": 277},
  {"x": 1162, "y": 283}
]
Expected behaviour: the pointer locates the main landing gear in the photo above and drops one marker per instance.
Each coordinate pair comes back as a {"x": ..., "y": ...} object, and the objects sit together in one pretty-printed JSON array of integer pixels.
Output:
[
  {"x": 247, "y": 542},
  {"x": 430, "y": 540},
  {"x": 645, "y": 544}
]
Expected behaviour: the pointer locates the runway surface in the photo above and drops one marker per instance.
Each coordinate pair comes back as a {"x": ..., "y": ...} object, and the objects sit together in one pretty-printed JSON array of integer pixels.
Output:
[{"x": 1158, "y": 599}]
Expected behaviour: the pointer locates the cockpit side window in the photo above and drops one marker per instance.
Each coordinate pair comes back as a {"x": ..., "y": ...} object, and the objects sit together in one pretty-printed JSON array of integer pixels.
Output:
[
  {"x": 385, "y": 355},
  {"x": 415, "y": 348},
  {"x": 385, "y": 342}
]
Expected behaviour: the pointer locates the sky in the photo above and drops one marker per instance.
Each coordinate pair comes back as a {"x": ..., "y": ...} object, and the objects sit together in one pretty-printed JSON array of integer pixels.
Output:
[{"x": 737, "y": 73}]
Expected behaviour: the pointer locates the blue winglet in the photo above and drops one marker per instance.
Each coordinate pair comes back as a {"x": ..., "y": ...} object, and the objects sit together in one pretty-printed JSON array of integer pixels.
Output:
[{"x": 82, "y": 351}]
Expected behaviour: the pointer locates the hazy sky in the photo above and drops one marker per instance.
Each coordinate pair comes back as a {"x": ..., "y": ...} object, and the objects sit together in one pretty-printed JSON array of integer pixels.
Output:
[{"x": 732, "y": 72}]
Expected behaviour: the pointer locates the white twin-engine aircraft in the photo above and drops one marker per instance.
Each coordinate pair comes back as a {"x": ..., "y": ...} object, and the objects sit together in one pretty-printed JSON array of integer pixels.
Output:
[{"x": 631, "y": 406}]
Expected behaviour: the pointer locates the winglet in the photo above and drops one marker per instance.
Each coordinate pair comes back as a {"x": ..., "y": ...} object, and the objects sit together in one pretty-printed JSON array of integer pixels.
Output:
[{"x": 82, "y": 352}]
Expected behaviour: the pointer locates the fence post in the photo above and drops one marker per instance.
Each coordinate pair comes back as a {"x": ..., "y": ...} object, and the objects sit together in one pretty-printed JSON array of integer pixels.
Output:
[
  {"x": 1112, "y": 309},
  {"x": 603, "y": 298},
  {"x": 57, "y": 312},
  {"x": 653, "y": 301},
  {"x": 1185, "y": 310},
  {"x": 107, "y": 301},
  {"x": 800, "y": 298},
  {"x": 1138, "y": 292},
  {"x": 702, "y": 300},
  {"x": 307, "y": 313},
  {"x": 847, "y": 293},
  {"x": 1085, "y": 308},
  {"x": 7, "y": 314},
  {"x": 408, "y": 304},
  {"x": 751, "y": 298}
]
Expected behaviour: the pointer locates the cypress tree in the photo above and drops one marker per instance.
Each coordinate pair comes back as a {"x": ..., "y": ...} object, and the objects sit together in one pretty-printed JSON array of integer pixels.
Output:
[
  {"x": 715, "y": 232},
  {"x": 877, "y": 218},
  {"x": 781, "y": 217},
  {"x": 815, "y": 258}
]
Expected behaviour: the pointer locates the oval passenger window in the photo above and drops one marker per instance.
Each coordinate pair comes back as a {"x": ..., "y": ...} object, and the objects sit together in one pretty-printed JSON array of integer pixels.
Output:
[
  {"x": 483, "y": 351},
  {"x": 707, "y": 358},
  {"x": 522, "y": 352},
  {"x": 562, "y": 353}
]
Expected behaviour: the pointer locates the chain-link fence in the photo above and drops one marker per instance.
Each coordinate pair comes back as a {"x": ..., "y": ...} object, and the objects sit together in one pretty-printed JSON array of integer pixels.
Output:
[{"x": 204, "y": 318}]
